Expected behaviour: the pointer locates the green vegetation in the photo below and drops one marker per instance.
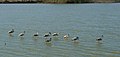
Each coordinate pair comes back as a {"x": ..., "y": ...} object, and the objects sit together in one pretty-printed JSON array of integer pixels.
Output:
[{"x": 59, "y": 1}]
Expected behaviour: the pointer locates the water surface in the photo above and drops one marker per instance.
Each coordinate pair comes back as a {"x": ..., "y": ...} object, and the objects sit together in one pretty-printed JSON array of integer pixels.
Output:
[{"x": 87, "y": 21}]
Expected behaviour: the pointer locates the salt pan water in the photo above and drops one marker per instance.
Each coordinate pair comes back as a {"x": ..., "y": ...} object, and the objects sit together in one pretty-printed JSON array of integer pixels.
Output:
[{"x": 86, "y": 21}]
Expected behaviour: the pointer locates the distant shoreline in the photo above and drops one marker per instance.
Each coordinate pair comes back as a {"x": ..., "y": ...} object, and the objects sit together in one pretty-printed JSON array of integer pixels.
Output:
[
  {"x": 56, "y": 1},
  {"x": 45, "y": 3}
]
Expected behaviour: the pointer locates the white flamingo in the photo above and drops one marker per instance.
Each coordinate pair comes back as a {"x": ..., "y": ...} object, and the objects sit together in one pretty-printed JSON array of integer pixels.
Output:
[
  {"x": 36, "y": 34},
  {"x": 55, "y": 34},
  {"x": 75, "y": 38},
  {"x": 11, "y": 31},
  {"x": 66, "y": 36},
  {"x": 47, "y": 34},
  {"x": 48, "y": 39},
  {"x": 99, "y": 38},
  {"x": 22, "y": 34}
]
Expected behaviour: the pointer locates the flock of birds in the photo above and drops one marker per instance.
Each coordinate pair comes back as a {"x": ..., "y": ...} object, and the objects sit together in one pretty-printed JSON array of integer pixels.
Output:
[{"x": 49, "y": 39}]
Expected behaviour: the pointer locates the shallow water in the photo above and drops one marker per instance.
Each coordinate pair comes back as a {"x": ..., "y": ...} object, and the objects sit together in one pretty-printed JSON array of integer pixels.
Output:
[{"x": 87, "y": 21}]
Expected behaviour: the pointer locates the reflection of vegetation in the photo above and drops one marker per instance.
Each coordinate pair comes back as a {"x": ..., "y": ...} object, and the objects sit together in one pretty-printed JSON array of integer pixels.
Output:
[
  {"x": 49, "y": 44},
  {"x": 78, "y": 1},
  {"x": 58, "y": 1}
]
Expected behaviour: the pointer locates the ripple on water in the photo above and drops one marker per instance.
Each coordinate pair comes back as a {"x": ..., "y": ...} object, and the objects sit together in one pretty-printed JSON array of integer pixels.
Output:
[{"x": 84, "y": 21}]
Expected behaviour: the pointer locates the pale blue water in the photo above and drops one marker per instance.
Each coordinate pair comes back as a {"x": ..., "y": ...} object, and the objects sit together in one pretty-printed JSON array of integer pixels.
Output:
[{"x": 87, "y": 21}]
